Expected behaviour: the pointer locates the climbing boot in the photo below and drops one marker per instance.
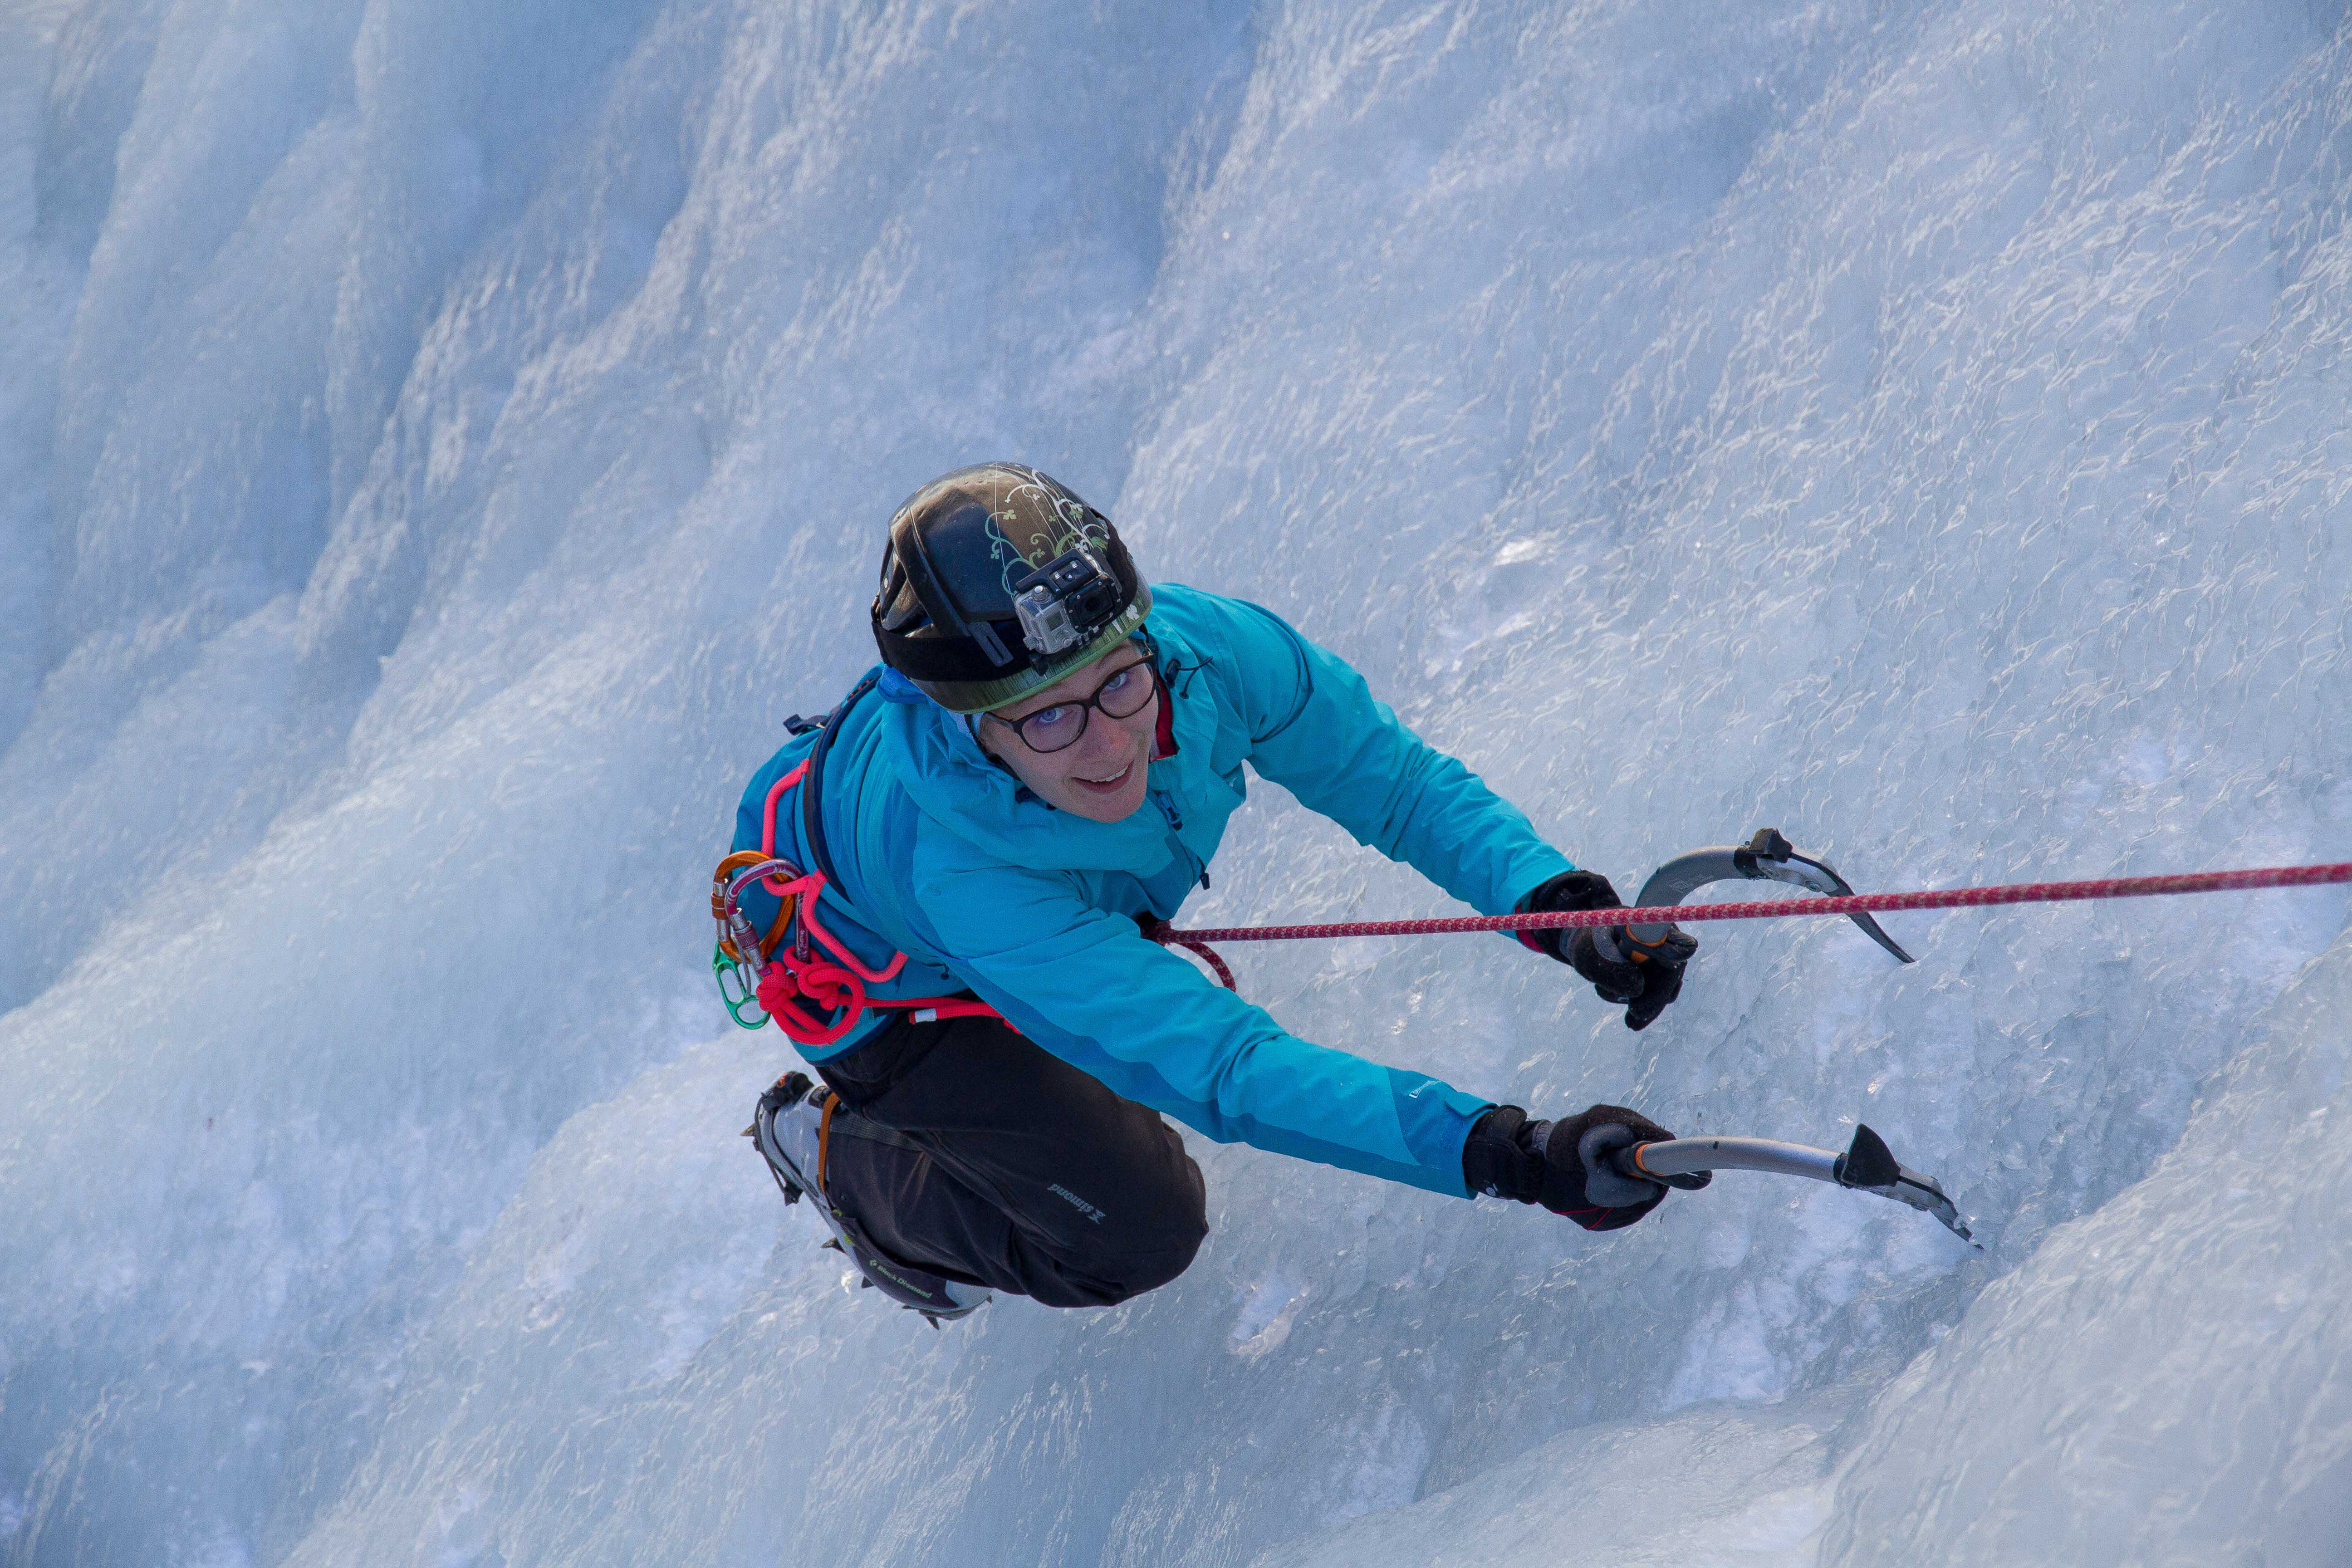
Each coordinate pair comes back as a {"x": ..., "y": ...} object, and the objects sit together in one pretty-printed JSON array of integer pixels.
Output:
[{"x": 794, "y": 1127}]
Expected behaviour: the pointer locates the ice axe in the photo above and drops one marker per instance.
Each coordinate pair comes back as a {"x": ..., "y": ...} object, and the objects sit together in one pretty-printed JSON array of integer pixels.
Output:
[
  {"x": 1867, "y": 1165},
  {"x": 1765, "y": 858}
]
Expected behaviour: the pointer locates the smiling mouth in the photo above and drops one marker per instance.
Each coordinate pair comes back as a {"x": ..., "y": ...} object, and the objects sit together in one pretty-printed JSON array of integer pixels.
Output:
[{"x": 1109, "y": 785}]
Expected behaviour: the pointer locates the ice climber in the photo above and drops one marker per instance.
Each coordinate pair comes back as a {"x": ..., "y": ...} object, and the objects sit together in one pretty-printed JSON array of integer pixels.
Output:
[{"x": 1039, "y": 771}]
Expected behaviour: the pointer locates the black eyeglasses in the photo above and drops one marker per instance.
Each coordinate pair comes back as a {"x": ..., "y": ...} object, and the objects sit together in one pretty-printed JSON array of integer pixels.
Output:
[{"x": 1058, "y": 728}]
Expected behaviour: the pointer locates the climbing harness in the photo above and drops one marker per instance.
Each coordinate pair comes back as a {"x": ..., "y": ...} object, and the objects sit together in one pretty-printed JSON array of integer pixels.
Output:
[{"x": 776, "y": 976}]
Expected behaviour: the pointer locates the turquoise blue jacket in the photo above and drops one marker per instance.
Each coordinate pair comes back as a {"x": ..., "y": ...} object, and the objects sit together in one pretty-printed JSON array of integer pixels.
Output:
[{"x": 944, "y": 856}]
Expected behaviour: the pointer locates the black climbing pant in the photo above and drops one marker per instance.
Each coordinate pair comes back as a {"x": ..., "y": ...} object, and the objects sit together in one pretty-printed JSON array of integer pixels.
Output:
[{"x": 966, "y": 1148}]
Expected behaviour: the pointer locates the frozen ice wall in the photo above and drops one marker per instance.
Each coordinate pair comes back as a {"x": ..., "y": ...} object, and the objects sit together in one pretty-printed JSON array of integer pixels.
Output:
[{"x": 439, "y": 441}]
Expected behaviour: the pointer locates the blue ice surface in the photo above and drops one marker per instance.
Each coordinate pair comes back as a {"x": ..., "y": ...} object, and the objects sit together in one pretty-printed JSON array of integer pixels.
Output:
[{"x": 438, "y": 442}]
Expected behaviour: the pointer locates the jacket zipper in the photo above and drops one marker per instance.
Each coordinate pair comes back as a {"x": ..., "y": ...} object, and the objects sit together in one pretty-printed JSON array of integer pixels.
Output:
[{"x": 1175, "y": 828}]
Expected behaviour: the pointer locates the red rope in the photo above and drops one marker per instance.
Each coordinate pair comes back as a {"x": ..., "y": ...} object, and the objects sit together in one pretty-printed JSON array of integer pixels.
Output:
[
  {"x": 1770, "y": 908},
  {"x": 1161, "y": 932}
]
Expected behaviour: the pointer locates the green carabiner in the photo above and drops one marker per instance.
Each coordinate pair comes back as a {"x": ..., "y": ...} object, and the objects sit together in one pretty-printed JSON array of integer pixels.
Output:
[{"x": 742, "y": 995}]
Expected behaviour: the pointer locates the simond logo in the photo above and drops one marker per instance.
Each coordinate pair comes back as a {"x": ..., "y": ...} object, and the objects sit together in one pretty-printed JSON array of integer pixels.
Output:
[{"x": 1076, "y": 1201}]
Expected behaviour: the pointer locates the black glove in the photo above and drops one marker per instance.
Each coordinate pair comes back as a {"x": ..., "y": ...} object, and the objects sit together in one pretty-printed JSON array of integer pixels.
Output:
[
  {"x": 1649, "y": 976},
  {"x": 1563, "y": 1165}
]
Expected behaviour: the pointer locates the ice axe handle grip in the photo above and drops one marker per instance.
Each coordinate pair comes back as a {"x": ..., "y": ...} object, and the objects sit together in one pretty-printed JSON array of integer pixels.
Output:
[{"x": 1627, "y": 1162}]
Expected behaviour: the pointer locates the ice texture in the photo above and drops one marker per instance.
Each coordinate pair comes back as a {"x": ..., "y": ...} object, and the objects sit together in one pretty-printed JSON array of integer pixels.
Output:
[{"x": 440, "y": 441}]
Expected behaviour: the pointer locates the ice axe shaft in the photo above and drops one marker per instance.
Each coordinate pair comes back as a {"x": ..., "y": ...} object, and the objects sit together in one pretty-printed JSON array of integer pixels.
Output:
[{"x": 1867, "y": 1165}]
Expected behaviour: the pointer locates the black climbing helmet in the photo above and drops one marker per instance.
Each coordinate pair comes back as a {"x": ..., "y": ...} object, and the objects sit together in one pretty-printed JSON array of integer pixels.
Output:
[{"x": 998, "y": 581}]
